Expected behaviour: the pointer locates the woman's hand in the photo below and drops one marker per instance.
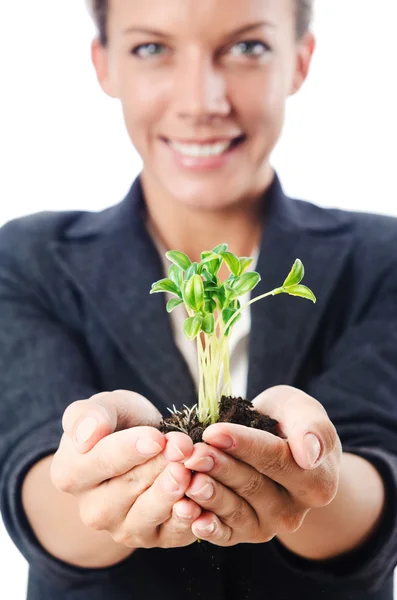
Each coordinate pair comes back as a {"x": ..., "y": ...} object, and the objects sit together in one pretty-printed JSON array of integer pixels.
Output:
[
  {"x": 113, "y": 465},
  {"x": 255, "y": 485}
]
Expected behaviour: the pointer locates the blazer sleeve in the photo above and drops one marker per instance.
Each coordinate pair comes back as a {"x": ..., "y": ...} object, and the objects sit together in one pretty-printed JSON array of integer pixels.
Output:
[
  {"x": 358, "y": 388},
  {"x": 44, "y": 366}
]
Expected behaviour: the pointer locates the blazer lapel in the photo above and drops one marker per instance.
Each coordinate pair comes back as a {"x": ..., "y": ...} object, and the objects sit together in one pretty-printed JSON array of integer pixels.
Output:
[
  {"x": 282, "y": 326},
  {"x": 110, "y": 257},
  {"x": 112, "y": 260}
]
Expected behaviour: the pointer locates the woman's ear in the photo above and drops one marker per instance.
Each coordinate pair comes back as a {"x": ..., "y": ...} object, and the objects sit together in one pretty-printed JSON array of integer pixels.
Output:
[
  {"x": 304, "y": 52},
  {"x": 100, "y": 60}
]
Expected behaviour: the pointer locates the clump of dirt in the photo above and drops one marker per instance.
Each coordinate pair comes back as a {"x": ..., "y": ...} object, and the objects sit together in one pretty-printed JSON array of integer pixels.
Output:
[{"x": 231, "y": 410}]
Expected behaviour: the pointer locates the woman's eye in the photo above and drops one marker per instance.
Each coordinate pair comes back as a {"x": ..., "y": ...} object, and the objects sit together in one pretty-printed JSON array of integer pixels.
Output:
[
  {"x": 253, "y": 48},
  {"x": 144, "y": 50}
]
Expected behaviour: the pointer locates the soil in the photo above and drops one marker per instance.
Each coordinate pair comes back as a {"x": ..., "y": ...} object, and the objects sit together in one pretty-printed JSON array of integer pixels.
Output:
[{"x": 231, "y": 410}]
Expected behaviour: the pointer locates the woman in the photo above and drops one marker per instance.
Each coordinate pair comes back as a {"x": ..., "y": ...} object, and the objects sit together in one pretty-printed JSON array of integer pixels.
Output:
[{"x": 100, "y": 502}]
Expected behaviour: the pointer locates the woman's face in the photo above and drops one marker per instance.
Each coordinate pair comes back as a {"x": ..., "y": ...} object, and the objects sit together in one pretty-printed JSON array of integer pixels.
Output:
[{"x": 189, "y": 73}]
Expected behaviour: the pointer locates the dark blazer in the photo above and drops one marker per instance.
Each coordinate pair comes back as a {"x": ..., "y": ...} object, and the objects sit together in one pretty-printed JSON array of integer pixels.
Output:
[{"x": 76, "y": 318}]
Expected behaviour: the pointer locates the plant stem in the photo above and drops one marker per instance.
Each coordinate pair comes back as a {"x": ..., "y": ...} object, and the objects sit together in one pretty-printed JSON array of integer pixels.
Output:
[{"x": 272, "y": 293}]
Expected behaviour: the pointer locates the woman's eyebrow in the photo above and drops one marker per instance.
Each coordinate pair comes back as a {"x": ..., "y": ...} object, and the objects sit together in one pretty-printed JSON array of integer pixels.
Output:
[{"x": 238, "y": 31}]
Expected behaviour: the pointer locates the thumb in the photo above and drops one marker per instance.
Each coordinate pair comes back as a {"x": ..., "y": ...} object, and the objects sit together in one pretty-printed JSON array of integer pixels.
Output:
[
  {"x": 88, "y": 421},
  {"x": 302, "y": 420}
]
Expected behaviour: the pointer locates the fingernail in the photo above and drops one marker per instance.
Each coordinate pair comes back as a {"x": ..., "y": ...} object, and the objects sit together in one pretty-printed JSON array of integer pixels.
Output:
[
  {"x": 203, "y": 464},
  {"x": 147, "y": 447},
  {"x": 182, "y": 515},
  {"x": 204, "y": 493},
  {"x": 170, "y": 484},
  {"x": 222, "y": 441},
  {"x": 207, "y": 529},
  {"x": 174, "y": 447},
  {"x": 85, "y": 429},
  {"x": 312, "y": 447}
]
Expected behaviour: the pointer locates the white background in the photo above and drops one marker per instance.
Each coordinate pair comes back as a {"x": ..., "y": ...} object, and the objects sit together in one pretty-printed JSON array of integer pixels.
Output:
[{"x": 63, "y": 144}]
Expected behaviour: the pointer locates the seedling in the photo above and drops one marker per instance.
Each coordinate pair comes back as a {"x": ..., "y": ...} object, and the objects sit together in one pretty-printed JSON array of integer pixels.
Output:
[{"x": 213, "y": 308}]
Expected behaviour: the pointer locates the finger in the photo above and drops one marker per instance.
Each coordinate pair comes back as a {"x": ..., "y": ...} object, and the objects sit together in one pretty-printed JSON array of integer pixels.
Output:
[
  {"x": 106, "y": 506},
  {"x": 88, "y": 421},
  {"x": 186, "y": 510},
  {"x": 243, "y": 479},
  {"x": 210, "y": 528},
  {"x": 263, "y": 461},
  {"x": 303, "y": 421},
  {"x": 179, "y": 446},
  {"x": 231, "y": 509},
  {"x": 177, "y": 530},
  {"x": 154, "y": 507},
  {"x": 272, "y": 506},
  {"x": 112, "y": 456}
]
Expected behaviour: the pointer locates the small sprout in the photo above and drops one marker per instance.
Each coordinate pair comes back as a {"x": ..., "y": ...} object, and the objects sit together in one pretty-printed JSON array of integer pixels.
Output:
[
  {"x": 173, "y": 303},
  {"x": 213, "y": 308},
  {"x": 180, "y": 259}
]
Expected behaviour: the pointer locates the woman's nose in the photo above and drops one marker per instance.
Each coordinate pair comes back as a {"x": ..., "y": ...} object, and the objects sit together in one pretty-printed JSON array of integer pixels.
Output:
[{"x": 200, "y": 90}]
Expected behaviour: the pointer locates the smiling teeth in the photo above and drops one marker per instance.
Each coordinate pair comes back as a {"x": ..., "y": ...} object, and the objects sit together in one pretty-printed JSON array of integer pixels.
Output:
[{"x": 201, "y": 150}]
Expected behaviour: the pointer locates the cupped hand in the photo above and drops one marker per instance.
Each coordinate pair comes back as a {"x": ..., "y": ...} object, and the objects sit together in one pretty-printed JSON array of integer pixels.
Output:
[
  {"x": 112, "y": 459},
  {"x": 253, "y": 485}
]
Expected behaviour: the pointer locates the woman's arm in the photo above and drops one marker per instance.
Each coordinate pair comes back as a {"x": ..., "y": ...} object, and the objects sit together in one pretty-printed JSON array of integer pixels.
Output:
[
  {"x": 54, "y": 518},
  {"x": 348, "y": 521}
]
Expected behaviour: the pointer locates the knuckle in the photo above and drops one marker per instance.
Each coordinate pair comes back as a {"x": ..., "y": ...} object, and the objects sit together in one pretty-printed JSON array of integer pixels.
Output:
[
  {"x": 262, "y": 533},
  {"x": 105, "y": 464},
  {"x": 323, "y": 488},
  {"x": 175, "y": 536},
  {"x": 63, "y": 481},
  {"x": 133, "y": 478},
  {"x": 265, "y": 537},
  {"x": 95, "y": 517},
  {"x": 293, "y": 520},
  {"x": 238, "y": 514},
  {"x": 224, "y": 537},
  {"x": 274, "y": 462},
  {"x": 124, "y": 538},
  {"x": 253, "y": 486}
]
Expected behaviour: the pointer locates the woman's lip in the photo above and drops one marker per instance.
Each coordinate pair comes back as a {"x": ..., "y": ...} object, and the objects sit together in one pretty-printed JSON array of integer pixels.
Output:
[
  {"x": 205, "y": 142},
  {"x": 205, "y": 163}
]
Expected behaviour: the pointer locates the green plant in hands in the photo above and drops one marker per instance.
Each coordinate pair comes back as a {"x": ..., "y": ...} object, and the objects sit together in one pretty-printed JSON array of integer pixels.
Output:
[{"x": 213, "y": 308}]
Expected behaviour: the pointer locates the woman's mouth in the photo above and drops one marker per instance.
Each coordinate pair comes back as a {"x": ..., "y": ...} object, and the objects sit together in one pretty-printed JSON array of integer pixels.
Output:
[{"x": 199, "y": 156}]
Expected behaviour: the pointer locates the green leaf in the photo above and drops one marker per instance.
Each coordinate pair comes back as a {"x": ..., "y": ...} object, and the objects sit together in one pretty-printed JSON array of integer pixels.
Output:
[
  {"x": 190, "y": 271},
  {"x": 209, "y": 306},
  {"x": 220, "y": 295},
  {"x": 227, "y": 314},
  {"x": 179, "y": 259},
  {"x": 194, "y": 293},
  {"x": 210, "y": 286},
  {"x": 302, "y": 291},
  {"x": 165, "y": 285},
  {"x": 208, "y": 324},
  {"x": 245, "y": 283},
  {"x": 245, "y": 262},
  {"x": 208, "y": 257},
  {"x": 212, "y": 263},
  {"x": 173, "y": 303},
  {"x": 192, "y": 327},
  {"x": 296, "y": 274},
  {"x": 206, "y": 275},
  {"x": 220, "y": 248},
  {"x": 175, "y": 274},
  {"x": 232, "y": 262}
]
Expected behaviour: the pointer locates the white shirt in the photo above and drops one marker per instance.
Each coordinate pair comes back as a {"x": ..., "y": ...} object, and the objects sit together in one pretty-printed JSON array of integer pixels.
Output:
[{"x": 238, "y": 343}]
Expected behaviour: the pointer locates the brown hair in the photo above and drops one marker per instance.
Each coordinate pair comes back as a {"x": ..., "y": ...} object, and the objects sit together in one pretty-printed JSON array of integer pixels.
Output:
[{"x": 99, "y": 11}]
